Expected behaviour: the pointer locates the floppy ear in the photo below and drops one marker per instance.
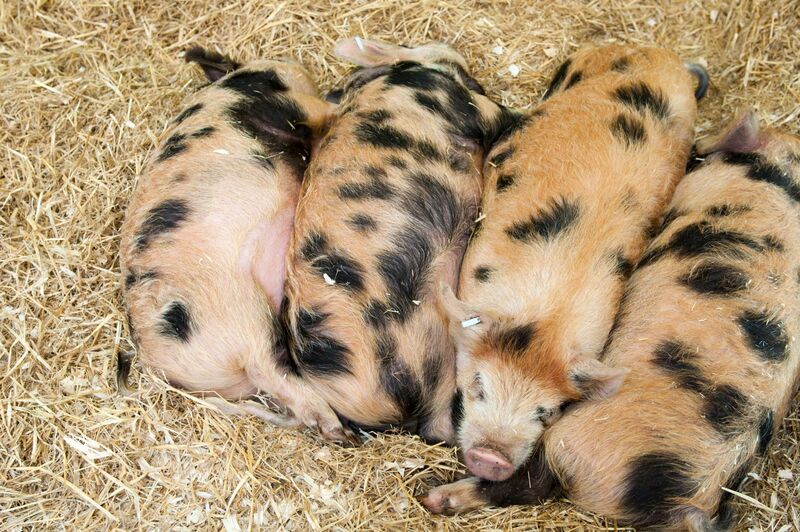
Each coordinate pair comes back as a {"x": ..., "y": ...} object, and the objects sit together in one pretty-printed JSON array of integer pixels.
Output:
[
  {"x": 368, "y": 53},
  {"x": 466, "y": 323},
  {"x": 743, "y": 135},
  {"x": 595, "y": 380},
  {"x": 214, "y": 65}
]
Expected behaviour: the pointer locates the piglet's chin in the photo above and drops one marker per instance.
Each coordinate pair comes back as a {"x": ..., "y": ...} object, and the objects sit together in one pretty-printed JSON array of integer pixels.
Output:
[{"x": 488, "y": 464}]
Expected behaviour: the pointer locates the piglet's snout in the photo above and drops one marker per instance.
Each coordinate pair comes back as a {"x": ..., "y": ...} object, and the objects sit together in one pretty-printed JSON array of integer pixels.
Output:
[{"x": 488, "y": 464}]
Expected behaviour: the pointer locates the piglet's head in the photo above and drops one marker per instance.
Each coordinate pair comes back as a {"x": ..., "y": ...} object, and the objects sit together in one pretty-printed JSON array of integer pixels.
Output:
[
  {"x": 376, "y": 58},
  {"x": 513, "y": 381}
]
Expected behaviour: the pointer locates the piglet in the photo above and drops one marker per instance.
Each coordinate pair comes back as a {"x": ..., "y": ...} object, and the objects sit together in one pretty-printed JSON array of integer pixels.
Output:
[
  {"x": 205, "y": 239},
  {"x": 571, "y": 192},
  {"x": 387, "y": 208}
]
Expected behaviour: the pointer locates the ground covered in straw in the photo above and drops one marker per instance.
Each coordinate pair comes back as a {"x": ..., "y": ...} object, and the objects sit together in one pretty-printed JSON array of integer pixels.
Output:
[{"x": 86, "y": 87}]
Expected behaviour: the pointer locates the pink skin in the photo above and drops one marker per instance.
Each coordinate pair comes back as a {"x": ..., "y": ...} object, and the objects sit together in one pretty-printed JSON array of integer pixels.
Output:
[
  {"x": 264, "y": 253},
  {"x": 488, "y": 464}
]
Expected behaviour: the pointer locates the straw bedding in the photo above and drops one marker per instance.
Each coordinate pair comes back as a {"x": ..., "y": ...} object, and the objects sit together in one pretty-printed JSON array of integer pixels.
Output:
[{"x": 86, "y": 87}]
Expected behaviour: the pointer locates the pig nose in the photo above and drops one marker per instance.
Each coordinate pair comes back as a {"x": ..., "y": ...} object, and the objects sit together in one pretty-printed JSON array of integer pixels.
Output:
[{"x": 488, "y": 464}]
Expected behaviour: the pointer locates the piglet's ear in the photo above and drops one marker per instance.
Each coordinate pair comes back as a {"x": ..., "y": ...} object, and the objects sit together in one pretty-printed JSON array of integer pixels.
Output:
[
  {"x": 214, "y": 65},
  {"x": 466, "y": 324},
  {"x": 743, "y": 135},
  {"x": 595, "y": 380},
  {"x": 368, "y": 53}
]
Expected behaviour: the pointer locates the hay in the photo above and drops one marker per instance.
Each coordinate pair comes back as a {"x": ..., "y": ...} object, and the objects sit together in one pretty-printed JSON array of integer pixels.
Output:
[{"x": 86, "y": 86}]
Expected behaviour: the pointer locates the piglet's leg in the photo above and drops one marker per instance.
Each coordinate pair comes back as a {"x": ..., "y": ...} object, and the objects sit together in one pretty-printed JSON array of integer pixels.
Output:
[
  {"x": 315, "y": 412},
  {"x": 245, "y": 408},
  {"x": 461, "y": 496}
]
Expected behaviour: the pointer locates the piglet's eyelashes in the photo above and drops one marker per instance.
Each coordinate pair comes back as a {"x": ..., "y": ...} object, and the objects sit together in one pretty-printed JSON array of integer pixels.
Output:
[{"x": 475, "y": 389}]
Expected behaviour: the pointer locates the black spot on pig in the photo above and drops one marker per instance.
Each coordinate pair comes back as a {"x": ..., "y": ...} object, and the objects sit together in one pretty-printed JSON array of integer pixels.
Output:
[
  {"x": 253, "y": 84},
  {"x": 502, "y": 157},
  {"x": 463, "y": 76},
  {"x": 174, "y": 145},
  {"x": 655, "y": 485},
  {"x": 383, "y": 136},
  {"x": 576, "y": 77},
  {"x": 376, "y": 314},
  {"x": 678, "y": 360},
  {"x": 457, "y": 410},
  {"x": 513, "y": 340},
  {"x": 558, "y": 79},
  {"x": 621, "y": 64},
  {"x": 378, "y": 116},
  {"x": 724, "y": 408},
  {"x": 629, "y": 130},
  {"x": 276, "y": 121},
  {"x": 425, "y": 150},
  {"x": 766, "y": 336},
  {"x": 438, "y": 219},
  {"x": 482, "y": 273},
  {"x": 375, "y": 188},
  {"x": 641, "y": 97},
  {"x": 774, "y": 243},
  {"x": 713, "y": 278},
  {"x": 363, "y": 223},
  {"x": 315, "y": 352},
  {"x": 721, "y": 211},
  {"x": 398, "y": 380},
  {"x": 432, "y": 369},
  {"x": 430, "y": 102},
  {"x": 414, "y": 76},
  {"x": 766, "y": 426},
  {"x": 507, "y": 123},
  {"x": 504, "y": 181},
  {"x": 702, "y": 238},
  {"x": 396, "y": 162},
  {"x": 162, "y": 218},
  {"x": 557, "y": 218},
  {"x": 404, "y": 269},
  {"x": 761, "y": 170},
  {"x": 134, "y": 278},
  {"x": 623, "y": 267},
  {"x": 186, "y": 113},
  {"x": 176, "y": 322},
  {"x": 338, "y": 266},
  {"x": 203, "y": 132}
]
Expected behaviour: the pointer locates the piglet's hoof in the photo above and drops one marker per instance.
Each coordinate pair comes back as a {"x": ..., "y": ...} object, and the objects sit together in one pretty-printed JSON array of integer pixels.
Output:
[
  {"x": 488, "y": 464},
  {"x": 454, "y": 498},
  {"x": 438, "y": 501},
  {"x": 340, "y": 435}
]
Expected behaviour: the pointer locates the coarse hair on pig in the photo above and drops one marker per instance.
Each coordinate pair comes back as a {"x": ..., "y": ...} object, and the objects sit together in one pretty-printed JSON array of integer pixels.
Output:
[{"x": 206, "y": 233}]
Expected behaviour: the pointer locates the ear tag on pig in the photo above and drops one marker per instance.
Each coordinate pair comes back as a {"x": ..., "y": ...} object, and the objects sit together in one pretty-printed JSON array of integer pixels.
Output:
[
  {"x": 470, "y": 322},
  {"x": 359, "y": 43},
  {"x": 328, "y": 279}
]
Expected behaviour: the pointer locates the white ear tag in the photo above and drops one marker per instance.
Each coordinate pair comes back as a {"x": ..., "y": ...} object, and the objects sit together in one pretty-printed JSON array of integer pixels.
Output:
[
  {"x": 359, "y": 43},
  {"x": 470, "y": 322}
]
